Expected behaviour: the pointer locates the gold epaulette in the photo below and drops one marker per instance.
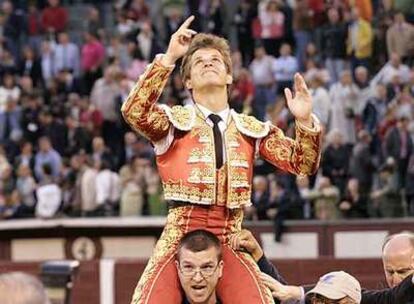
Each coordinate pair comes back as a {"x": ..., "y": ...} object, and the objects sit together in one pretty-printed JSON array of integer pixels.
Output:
[
  {"x": 250, "y": 125},
  {"x": 182, "y": 117}
]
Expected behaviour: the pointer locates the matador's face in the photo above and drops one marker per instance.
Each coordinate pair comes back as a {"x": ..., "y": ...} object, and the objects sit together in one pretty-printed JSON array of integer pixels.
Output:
[{"x": 208, "y": 70}]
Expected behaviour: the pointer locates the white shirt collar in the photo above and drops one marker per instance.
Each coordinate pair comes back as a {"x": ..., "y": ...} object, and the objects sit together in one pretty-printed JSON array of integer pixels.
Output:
[{"x": 224, "y": 114}]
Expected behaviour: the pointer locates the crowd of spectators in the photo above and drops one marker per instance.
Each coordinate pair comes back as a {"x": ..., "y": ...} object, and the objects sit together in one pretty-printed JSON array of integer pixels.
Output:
[{"x": 66, "y": 151}]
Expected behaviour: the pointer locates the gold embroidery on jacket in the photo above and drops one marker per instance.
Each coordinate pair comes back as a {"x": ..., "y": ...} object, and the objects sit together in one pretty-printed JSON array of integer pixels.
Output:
[
  {"x": 202, "y": 176},
  {"x": 164, "y": 249},
  {"x": 140, "y": 110},
  {"x": 192, "y": 194},
  {"x": 239, "y": 160}
]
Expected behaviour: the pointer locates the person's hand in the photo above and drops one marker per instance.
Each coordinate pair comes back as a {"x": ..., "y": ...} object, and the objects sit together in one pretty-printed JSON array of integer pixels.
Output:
[
  {"x": 179, "y": 42},
  {"x": 244, "y": 240},
  {"x": 345, "y": 205},
  {"x": 301, "y": 103},
  {"x": 280, "y": 291}
]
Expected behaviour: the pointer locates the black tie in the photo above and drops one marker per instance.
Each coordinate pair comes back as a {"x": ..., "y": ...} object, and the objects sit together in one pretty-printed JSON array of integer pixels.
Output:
[{"x": 218, "y": 144}]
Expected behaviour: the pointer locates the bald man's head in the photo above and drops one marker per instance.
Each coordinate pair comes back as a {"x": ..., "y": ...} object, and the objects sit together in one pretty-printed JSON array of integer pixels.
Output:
[{"x": 397, "y": 257}]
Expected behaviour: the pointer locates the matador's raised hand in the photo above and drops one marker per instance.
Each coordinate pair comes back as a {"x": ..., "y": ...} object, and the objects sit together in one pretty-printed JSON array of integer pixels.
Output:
[
  {"x": 300, "y": 104},
  {"x": 179, "y": 42}
]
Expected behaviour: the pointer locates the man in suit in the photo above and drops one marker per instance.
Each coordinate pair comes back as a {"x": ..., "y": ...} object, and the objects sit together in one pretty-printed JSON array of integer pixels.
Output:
[{"x": 397, "y": 257}]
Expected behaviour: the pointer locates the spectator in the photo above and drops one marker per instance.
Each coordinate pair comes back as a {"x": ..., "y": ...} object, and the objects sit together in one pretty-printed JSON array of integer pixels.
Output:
[
  {"x": 8, "y": 63},
  {"x": 47, "y": 155},
  {"x": 392, "y": 68},
  {"x": 89, "y": 206},
  {"x": 172, "y": 20},
  {"x": 26, "y": 157},
  {"x": 50, "y": 126},
  {"x": 124, "y": 26},
  {"x": 49, "y": 194},
  {"x": 54, "y": 17},
  {"x": 362, "y": 164},
  {"x": 302, "y": 25},
  {"x": 34, "y": 27},
  {"x": 344, "y": 107},
  {"x": 260, "y": 198},
  {"x": 304, "y": 196},
  {"x": 92, "y": 58},
  {"x": 100, "y": 152},
  {"x": 66, "y": 55},
  {"x": 399, "y": 146},
  {"x": 93, "y": 23},
  {"x": 321, "y": 101},
  {"x": 216, "y": 18},
  {"x": 243, "y": 19},
  {"x": 243, "y": 92},
  {"x": 10, "y": 112},
  {"x": 133, "y": 179},
  {"x": 21, "y": 288},
  {"x": 386, "y": 193},
  {"x": 138, "y": 64},
  {"x": 26, "y": 187},
  {"x": 77, "y": 137},
  {"x": 147, "y": 42},
  {"x": 13, "y": 27},
  {"x": 335, "y": 159},
  {"x": 272, "y": 21},
  {"x": 326, "y": 198},
  {"x": 9, "y": 91},
  {"x": 353, "y": 204},
  {"x": 400, "y": 37},
  {"x": 375, "y": 110},
  {"x": 104, "y": 97},
  {"x": 138, "y": 10},
  {"x": 359, "y": 44},
  {"x": 262, "y": 76},
  {"x": 107, "y": 190},
  {"x": 365, "y": 89},
  {"x": 333, "y": 45},
  {"x": 284, "y": 68},
  {"x": 46, "y": 59},
  {"x": 31, "y": 66}
]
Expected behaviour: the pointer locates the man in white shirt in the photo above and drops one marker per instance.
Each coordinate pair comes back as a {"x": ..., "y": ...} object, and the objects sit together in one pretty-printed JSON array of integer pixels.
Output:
[{"x": 66, "y": 55}]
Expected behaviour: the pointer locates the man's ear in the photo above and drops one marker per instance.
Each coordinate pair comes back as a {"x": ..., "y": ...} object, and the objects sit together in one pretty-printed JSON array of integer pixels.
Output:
[
  {"x": 188, "y": 84},
  {"x": 177, "y": 264},
  {"x": 229, "y": 79},
  {"x": 220, "y": 268}
]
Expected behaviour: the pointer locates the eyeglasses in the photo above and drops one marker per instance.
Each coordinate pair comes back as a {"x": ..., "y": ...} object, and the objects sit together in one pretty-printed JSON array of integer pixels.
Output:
[{"x": 190, "y": 271}]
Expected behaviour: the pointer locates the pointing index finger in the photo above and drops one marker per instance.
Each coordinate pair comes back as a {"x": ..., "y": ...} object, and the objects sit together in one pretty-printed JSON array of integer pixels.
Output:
[{"x": 186, "y": 23}]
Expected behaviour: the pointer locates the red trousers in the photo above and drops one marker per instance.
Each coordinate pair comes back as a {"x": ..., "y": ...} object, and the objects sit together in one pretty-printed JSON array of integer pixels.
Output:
[{"x": 240, "y": 283}]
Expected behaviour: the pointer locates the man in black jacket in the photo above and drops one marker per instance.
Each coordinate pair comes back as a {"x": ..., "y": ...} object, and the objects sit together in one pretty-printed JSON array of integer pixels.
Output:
[{"x": 398, "y": 260}]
